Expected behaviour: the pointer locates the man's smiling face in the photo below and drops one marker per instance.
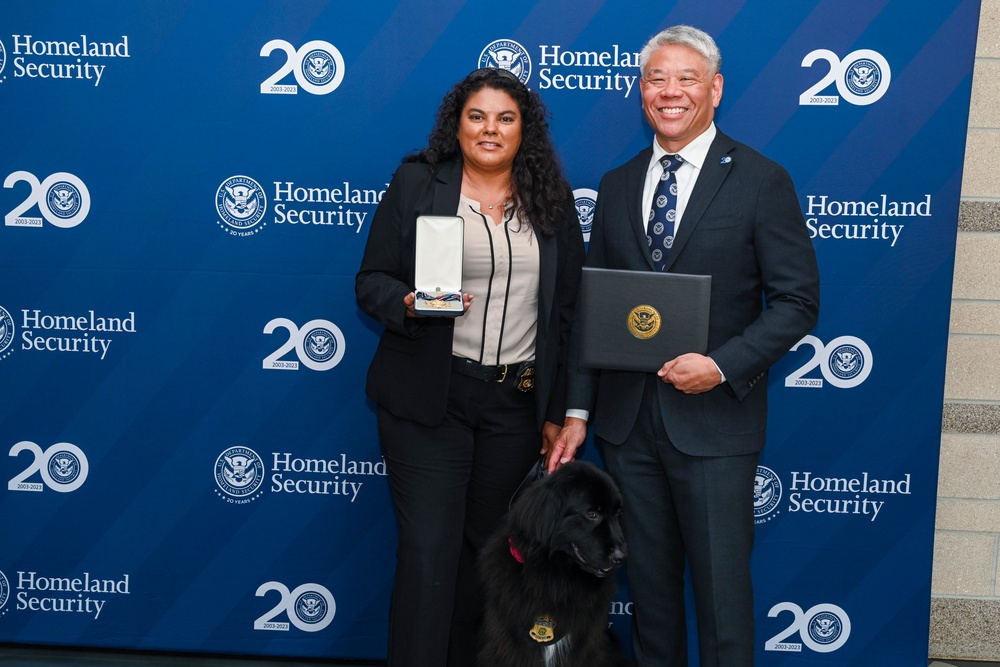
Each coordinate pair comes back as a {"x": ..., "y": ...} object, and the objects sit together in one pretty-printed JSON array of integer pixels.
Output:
[{"x": 679, "y": 95}]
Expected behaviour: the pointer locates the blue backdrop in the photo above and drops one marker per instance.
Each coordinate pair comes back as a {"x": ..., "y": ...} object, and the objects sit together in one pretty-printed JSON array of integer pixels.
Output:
[{"x": 192, "y": 464}]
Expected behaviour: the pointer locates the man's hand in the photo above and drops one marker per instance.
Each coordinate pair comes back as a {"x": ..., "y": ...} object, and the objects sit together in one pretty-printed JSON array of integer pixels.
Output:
[
  {"x": 563, "y": 450},
  {"x": 550, "y": 431},
  {"x": 691, "y": 373}
]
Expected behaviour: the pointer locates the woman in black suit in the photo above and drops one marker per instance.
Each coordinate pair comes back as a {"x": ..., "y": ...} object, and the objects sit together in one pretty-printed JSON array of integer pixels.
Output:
[{"x": 464, "y": 404}]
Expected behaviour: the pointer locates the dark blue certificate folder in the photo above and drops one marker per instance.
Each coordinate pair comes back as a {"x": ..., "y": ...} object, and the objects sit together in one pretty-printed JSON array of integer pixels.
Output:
[{"x": 639, "y": 320}]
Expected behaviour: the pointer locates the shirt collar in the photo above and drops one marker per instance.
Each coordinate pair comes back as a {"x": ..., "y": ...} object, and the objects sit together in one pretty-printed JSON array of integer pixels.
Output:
[{"x": 694, "y": 153}]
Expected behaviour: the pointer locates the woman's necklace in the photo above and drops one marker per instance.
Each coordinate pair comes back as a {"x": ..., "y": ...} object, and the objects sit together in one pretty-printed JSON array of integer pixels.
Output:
[{"x": 503, "y": 198}]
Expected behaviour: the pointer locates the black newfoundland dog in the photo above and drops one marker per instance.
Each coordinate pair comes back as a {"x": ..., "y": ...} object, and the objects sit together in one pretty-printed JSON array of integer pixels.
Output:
[{"x": 549, "y": 574}]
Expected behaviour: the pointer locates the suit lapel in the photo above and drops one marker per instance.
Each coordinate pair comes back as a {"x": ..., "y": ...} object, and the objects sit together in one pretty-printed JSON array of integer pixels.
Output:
[
  {"x": 718, "y": 162},
  {"x": 447, "y": 188},
  {"x": 635, "y": 181}
]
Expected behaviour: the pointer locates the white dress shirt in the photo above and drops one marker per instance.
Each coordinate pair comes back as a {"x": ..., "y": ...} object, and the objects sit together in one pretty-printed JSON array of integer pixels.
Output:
[
  {"x": 500, "y": 265},
  {"x": 694, "y": 155}
]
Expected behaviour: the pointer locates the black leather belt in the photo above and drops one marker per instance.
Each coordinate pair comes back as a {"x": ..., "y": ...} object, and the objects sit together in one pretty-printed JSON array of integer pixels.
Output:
[
  {"x": 523, "y": 375},
  {"x": 479, "y": 371}
]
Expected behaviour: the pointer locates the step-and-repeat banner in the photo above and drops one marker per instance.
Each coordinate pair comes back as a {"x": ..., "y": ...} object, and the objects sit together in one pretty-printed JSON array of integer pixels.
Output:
[{"x": 188, "y": 459}]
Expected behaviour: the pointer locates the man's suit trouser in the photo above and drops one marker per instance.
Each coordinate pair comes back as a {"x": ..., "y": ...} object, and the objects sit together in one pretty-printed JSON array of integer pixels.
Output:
[
  {"x": 451, "y": 485},
  {"x": 680, "y": 507}
]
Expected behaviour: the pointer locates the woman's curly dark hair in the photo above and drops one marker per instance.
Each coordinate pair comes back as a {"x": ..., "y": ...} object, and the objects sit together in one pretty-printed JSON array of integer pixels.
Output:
[{"x": 540, "y": 191}]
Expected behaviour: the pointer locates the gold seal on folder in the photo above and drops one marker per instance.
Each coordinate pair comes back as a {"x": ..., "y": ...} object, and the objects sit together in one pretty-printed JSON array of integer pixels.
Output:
[{"x": 643, "y": 321}]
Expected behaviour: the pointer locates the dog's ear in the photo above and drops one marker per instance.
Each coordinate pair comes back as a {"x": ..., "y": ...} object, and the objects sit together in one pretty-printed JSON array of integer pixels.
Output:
[{"x": 535, "y": 515}]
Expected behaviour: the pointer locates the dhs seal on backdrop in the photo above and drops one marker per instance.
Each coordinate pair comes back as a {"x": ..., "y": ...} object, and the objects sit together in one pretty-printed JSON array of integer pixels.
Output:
[
  {"x": 766, "y": 495},
  {"x": 311, "y": 607},
  {"x": 3, "y": 59},
  {"x": 318, "y": 67},
  {"x": 239, "y": 472},
  {"x": 846, "y": 362},
  {"x": 825, "y": 628},
  {"x": 6, "y": 333},
  {"x": 320, "y": 344},
  {"x": 4, "y": 592},
  {"x": 862, "y": 76},
  {"x": 509, "y": 55},
  {"x": 241, "y": 204},
  {"x": 64, "y": 466},
  {"x": 63, "y": 199},
  {"x": 586, "y": 202}
]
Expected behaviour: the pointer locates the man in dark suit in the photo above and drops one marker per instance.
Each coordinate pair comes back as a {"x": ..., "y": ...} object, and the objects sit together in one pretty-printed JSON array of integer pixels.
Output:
[{"x": 683, "y": 443}]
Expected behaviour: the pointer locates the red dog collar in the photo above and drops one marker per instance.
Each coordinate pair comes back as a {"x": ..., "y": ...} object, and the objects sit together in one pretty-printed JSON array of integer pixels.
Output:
[{"x": 514, "y": 552}]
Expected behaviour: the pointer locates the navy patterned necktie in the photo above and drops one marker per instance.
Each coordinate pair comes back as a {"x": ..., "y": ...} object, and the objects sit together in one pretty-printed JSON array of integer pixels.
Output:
[{"x": 663, "y": 212}]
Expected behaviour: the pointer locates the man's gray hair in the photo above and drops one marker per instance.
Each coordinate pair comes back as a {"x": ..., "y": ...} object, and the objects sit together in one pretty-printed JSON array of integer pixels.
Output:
[{"x": 683, "y": 35}]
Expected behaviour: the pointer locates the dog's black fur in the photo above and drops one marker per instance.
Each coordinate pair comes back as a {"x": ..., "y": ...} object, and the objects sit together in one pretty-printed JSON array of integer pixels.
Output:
[{"x": 567, "y": 531}]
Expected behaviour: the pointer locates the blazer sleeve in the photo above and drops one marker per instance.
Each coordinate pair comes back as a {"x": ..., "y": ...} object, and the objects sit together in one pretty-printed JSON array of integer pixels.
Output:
[
  {"x": 386, "y": 274},
  {"x": 789, "y": 280},
  {"x": 571, "y": 257},
  {"x": 582, "y": 389}
]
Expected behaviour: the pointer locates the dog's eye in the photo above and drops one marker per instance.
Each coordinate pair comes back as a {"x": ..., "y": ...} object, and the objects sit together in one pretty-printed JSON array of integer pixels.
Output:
[{"x": 592, "y": 515}]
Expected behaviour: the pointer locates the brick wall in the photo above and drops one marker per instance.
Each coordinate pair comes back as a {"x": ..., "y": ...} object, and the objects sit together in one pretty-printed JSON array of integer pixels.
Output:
[{"x": 965, "y": 604}]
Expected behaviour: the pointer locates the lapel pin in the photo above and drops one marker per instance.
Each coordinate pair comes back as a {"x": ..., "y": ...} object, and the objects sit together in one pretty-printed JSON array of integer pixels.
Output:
[{"x": 726, "y": 160}]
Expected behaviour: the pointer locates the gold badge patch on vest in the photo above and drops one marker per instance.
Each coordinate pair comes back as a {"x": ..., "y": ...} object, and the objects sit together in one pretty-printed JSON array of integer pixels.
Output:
[
  {"x": 543, "y": 630},
  {"x": 525, "y": 378}
]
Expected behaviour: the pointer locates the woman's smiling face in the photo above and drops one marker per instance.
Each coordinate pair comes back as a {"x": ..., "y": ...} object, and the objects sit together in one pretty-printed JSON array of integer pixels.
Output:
[{"x": 489, "y": 130}]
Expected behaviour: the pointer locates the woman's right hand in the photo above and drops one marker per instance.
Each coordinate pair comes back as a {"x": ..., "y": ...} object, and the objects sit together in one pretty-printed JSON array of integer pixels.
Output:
[{"x": 408, "y": 301}]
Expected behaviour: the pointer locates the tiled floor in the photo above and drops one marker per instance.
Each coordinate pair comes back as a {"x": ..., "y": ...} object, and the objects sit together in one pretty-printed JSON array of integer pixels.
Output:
[{"x": 28, "y": 656}]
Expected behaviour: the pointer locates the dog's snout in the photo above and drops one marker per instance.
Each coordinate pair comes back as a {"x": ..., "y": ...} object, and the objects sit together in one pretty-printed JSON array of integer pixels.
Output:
[{"x": 619, "y": 555}]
